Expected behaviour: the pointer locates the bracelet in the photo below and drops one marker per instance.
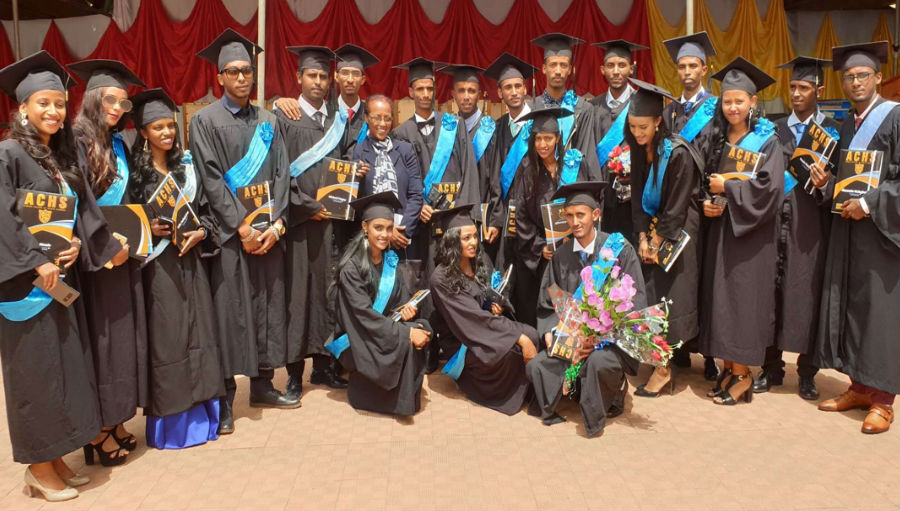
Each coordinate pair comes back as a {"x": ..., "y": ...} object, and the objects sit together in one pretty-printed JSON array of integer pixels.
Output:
[
  {"x": 275, "y": 232},
  {"x": 249, "y": 238}
]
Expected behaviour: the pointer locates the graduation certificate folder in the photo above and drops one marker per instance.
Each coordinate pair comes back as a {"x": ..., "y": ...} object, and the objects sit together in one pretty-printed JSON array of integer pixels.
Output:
[
  {"x": 50, "y": 218},
  {"x": 555, "y": 226},
  {"x": 414, "y": 301},
  {"x": 510, "y": 230},
  {"x": 738, "y": 163},
  {"x": 670, "y": 250},
  {"x": 816, "y": 146},
  {"x": 337, "y": 188},
  {"x": 170, "y": 205},
  {"x": 443, "y": 195},
  {"x": 131, "y": 224},
  {"x": 564, "y": 341},
  {"x": 257, "y": 200},
  {"x": 858, "y": 172}
]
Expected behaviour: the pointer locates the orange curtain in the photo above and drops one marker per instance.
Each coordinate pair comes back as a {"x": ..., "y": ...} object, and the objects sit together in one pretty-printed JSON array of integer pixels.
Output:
[
  {"x": 826, "y": 40},
  {"x": 665, "y": 71},
  {"x": 883, "y": 33}
]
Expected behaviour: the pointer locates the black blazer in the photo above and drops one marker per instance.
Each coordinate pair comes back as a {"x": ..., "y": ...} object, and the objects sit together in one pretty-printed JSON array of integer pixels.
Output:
[{"x": 409, "y": 178}]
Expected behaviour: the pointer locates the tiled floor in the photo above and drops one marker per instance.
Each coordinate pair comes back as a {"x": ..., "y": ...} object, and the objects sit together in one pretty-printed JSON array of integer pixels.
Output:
[{"x": 678, "y": 452}]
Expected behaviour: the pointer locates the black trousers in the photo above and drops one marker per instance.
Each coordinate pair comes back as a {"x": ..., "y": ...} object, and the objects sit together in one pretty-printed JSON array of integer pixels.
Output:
[
  {"x": 258, "y": 384},
  {"x": 774, "y": 364}
]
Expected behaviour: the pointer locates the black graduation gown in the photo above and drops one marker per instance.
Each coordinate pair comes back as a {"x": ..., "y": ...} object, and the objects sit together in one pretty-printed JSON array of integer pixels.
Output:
[
  {"x": 355, "y": 126},
  {"x": 386, "y": 370},
  {"x": 48, "y": 377},
  {"x": 114, "y": 301},
  {"x": 494, "y": 157},
  {"x": 586, "y": 134},
  {"x": 803, "y": 226},
  {"x": 248, "y": 290},
  {"x": 616, "y": 215},
  {"x": 679, "y": 210},
  {"x": 494, "y": 373},
  {"x": 737, "y": 320},
  {"x": 603, "y": 385},
  {"x": 184, "y": 360},
  {"x": 311, "y": 246},
  {"x": 859, "y": 320}
]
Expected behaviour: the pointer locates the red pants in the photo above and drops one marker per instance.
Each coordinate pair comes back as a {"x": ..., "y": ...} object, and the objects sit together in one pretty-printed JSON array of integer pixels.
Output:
[{"x": 879, "y": 397}]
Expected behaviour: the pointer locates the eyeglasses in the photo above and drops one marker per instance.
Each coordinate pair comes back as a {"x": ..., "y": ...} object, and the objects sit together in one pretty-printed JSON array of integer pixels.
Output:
[
  {"x": 349, "y": 73},
  {"x": 232, "y": 72},
  {"x": 381, "y": 119},
  {"x": 124, "y": 104},
  {"x": 860, "y": 77}
]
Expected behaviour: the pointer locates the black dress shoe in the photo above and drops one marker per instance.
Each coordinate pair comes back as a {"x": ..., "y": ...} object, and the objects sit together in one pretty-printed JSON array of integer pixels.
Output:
[
  {"x": 327, "y": 378},
  {"x": 226, "y": 418},
  {"x": 681, "y": 358},
  {"x": 294, "y": 388},
  {"x": 432, "y": 360},
  {"x": 808, "y": 390},
  {"x": 273, "y": 399},
  {"x": 765, "y": 381},
  {"x": 710, "y": 369}
]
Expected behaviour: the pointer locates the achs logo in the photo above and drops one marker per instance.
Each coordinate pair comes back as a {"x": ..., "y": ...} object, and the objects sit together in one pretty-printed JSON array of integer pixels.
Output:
[
  {"x": 44, "y": 215},
  {"x": 171, "y": 201},
  {"x": 341, "y": 177},
  {"x": 257, "y": 201}
]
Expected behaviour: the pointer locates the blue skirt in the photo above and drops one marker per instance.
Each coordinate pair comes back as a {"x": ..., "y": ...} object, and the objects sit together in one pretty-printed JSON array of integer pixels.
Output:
[{"x": 186, "y": 429}]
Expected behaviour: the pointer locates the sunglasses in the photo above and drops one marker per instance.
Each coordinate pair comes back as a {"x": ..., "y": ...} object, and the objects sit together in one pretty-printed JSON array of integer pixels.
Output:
[{"x": 124, "y": 104}]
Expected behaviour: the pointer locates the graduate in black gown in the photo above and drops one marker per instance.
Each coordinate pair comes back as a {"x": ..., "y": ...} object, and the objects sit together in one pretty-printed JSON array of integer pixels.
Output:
[
  {"x": 558, "y": 66},
  {"x": 424, "y": 130},
  {"x": 510, "y": 73},
  {"x": 691, "y": 55},
  {"x": 247, "y": 277},
  {"x": 185, "y": 373},
  {"x": 48, "y": 377},
  {"x": 114, "y": 298},
  {"x": 665, "y": 199},
  {"x": 802, "y": 238},
  {"x": 618, "y": 67},
  {"x": 859, "y": 318},
  {"x": 385, "y": 357},
  {"x": 737, "y": 312},
  {"x": 542, "y": 171},
  {"x": 495, "y": 347},
  {"x": 313, "y": 241},
  {"x": 602, "y": 378}
]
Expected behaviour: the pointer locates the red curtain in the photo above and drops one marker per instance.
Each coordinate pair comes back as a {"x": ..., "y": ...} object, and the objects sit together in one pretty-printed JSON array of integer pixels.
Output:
[
  {"x": 7, "y": 56},
  {"x": 163, "y": 51}
]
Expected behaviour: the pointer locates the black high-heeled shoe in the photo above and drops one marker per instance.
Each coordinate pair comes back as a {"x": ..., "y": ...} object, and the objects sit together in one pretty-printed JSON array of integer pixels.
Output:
[
  {"x": 129, "y": 443},
  {"x": 717, "y": 391},
  {"x": 727, "y": 398},
  {"x": 642, "y": 391},
  {"x": 107, "y": 458}
]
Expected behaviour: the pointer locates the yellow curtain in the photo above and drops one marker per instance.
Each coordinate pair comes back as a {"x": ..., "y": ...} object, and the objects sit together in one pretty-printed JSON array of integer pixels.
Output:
[
  {"x": 665, "y": 71},
  {"x": 825, "y": 41},
  {"x": 883, "y": 33}
]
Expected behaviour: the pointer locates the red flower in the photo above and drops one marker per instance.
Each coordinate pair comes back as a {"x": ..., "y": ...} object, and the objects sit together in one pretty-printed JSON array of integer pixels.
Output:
[
  {"x": 634, "y": 315},
  {"x": 656, "y": 356}
]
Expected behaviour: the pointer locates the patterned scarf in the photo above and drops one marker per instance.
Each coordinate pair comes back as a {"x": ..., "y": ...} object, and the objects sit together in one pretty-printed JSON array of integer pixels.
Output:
[{"x": 385, "y": 178}]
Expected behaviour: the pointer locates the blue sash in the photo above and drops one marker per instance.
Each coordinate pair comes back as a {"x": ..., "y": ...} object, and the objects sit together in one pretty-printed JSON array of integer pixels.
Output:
[
  {"x": 652, "y": 195},
  {"x": 483, "y": 136},
  {"x": 613, "y": 137},
  {"x": 514, "y": 158},
  {"x": 789, "y": 182},
  {"x": 567, "y": 123},
  {"x": 754, "y": 140},
  {"x": 385, "y": 286},
  {"x": 442, "y": 151},
  {"x": 363, "y": 133},
  {"x": 571, "y": 163},
  {"x": 115, "y": 192},
  {"x": 189, "y": 192},
  {"x": 323, "y": 147},
  {"x": 870, "y": 125},
  {"x": 700, "y": 119},
  {"x": 245, "y": 170},
  {"x": 36, "y": 300},
  {"x": 601, "y": 267}
]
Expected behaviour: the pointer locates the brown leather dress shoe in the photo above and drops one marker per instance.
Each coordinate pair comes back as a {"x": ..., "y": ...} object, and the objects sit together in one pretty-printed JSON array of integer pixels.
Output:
[
  {"x": 879, "y": 419},
  {"x": 846, "y": 401}
]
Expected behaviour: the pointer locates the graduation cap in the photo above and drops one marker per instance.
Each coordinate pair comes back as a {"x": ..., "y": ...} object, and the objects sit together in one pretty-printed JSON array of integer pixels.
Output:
[
  {"x": 556, "y": 44},
  {"x": 509, "y": 66},
  {"x": 462, "y": 72},
  {"x": 619, "y": 48},
  {"x": 740, "y": 74},
  {"x": 354, "y": 56},
  {"x": 152, "y": 105},
  {"x": 863, "y": 54},
  {"x": 460, "y": 216},
  {"x": 808, "y": 69},
  {"x": 545, "y": 119},
  {"x": 379, "y": 205},
  {"x": 105, "y": 73},
  {"x": 419, "y": 68},
  {"x": 694, "y": 45},
  {"x": 648, "y": 100},
  {"x": 230, "y": 47},
  {"x": 582, "y": 193},
  {"x": 36, "y": 72},
  {"x": 313, "y": 57}
]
